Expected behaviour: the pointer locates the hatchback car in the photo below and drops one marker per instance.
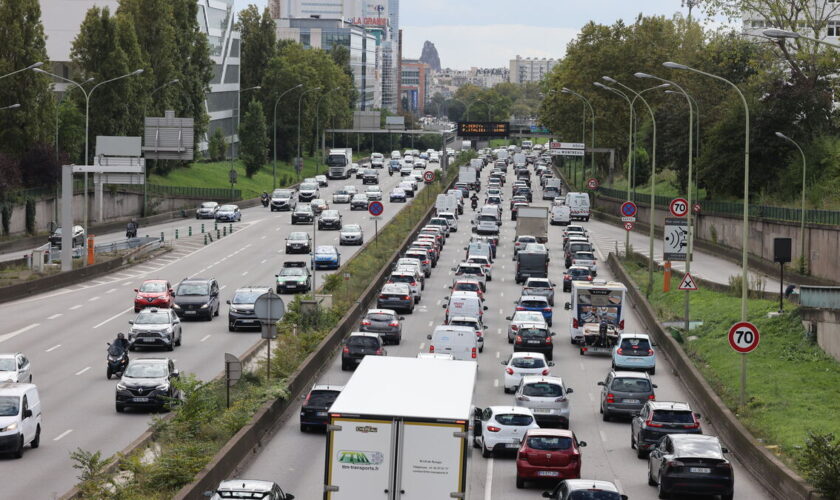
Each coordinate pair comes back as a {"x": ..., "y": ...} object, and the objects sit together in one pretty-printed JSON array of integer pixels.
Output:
[
  {"x": 197, "y": 298},
  {"x": 314, "y": 412},
  {"x": 576, "y": 489},
  {"x": 385, "y": 322},
  {"x": 294, "y": 277},
  {"x": 147, "y": 382},
  {"x": 396, "y": 296},
  {"x": 548, "y": 454},
  {"x": 351, "y": 234},
  {"x": 586, "y": 259},
  {"x": 575, "y": 273},
  {"x": 249, "y": 488},
  {"x": 659, "y": 418},
  {"x": 207, "y": 210},
  {"x": 690, "y": 463},
  {"x": 521, "y": 364},
  {"x": 341, "y": 196},
  {"x": 471, "y": 271},
  {"x": 521, "y": 318},
  {"x": 319, "y": 205},
  {"x": 634, "y": 351},
  {"x": 326, "y": 257},
  {"x": 540, "y": 286},
  {"x": 241, "y": 310},
  {"x": 16, "y": 368},
  {"x": 536, "y": 303},
  {"x": 501, "y": 428},
  {"x": 229, "y": 213},
  {"x": 359, "y": 202},
  {"x": 78, "y": 237},
  {"x": 547, "y": 397},
  {"x": 357, "y": 346},
  {"x": 468, "y": 285},
  {"x": 409, "y": 279},
  {"x": 303, "y": 214},
  {"x": 373, "y": 193},
  {"x": 397, "y": 195},
  {"x": 322, "y": 180},
  {"x": 534, "y": 337},
  {"x": 298, "y": 242},
  {"x": 153, "y": 293},
  {"x": 329, "y": 219},
  {"x": 625, "y": 393},
  {"x": 155, "y": 327}
]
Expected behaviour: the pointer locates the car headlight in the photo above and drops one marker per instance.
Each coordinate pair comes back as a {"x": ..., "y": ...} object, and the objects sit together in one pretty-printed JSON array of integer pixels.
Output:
[
  {"x": 205, "y": 306},
  {"x": 175, "y": 306},
  {"x": 120, "y": 386},
  {"x": 163, "y": 387},
  {"x": 9, "y": 427}
]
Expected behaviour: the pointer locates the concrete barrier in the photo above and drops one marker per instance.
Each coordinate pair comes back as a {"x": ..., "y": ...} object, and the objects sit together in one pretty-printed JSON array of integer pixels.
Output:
[{"x": 771, "y": 472}]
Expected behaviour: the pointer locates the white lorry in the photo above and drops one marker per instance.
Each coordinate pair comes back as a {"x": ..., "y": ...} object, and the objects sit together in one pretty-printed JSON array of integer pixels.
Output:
[
  {"x": 393, "y": 434},
  {"x": 466, "y": 145},
  {"x": 339, "y": 162},
  {"x": 467, "y": 175},
  {"x": 532, "y": 221},
  {"x": 446, "y": 203},
  {"x": 579, "y": 204}
]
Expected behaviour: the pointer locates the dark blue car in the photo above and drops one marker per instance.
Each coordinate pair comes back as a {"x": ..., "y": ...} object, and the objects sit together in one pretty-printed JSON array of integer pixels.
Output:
[
  {"x": 536, "y": 303},
  {"x": 326, "y": 257}
]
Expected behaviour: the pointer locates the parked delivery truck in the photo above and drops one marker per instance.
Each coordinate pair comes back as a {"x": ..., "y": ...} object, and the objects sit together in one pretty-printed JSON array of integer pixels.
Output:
[
  {"x": 532, "y": 221},
  {"x": 393, "y": 434}
]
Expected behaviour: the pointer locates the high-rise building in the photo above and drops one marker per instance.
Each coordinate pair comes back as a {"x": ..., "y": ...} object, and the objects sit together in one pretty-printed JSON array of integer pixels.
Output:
[
  {"x": 414, "y": 86},
  {"x": 215, "y": 18},
  {"x": 530, "y": 70}
]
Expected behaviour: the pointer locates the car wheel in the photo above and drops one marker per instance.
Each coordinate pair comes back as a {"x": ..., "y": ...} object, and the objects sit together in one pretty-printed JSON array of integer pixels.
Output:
[
  {"x": 549, "y": 322},
  {"x": 727, "y": 496},
  {"x": 107, "y": 374},
  {"x": 304, "y": 428},
  {"x": 231, "y": 328},
  {"x": 580, "y": 351},
  {"x": 18, "y": 453},
  {"x": 640, "y": 453},
  {"x": 475, "y": 443},
  {"x": 344, "y": 367},
  {"x": 217, "y": 313},
  {"x": 178, "y": 342},
  {"x": 485, "y": 452},
  {"x": 605, "y": 415},
  {"x": 507, "y": 391},
  {"x": 652, "y": 371},
  {"x": 520, "y": 483},
  {"x": 120, "y": 408},
  {"x": 510, "y": 340},
  {"x": 37, "y": 441},
  {"x": 170, "y": 347}
]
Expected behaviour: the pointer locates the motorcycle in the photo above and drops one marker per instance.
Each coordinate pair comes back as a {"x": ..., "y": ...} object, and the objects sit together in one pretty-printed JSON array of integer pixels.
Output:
[
  {"x": 474, "y": 204},
  {"x": 131, "y": 232},
  {"x": 264, "y": 200},
  {"x": 390, "y": 172},
  {"x": 117, "y": 360}
]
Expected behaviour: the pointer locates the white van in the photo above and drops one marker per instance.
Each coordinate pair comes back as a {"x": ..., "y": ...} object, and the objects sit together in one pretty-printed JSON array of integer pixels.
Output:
[
  {"x": 20, "y": 412},
  {"x": 579, "y": 204},
  {"x": 561, "y": 215},
  {"x": 459, "y": 341},
  {"x": 464, "y": 304}
]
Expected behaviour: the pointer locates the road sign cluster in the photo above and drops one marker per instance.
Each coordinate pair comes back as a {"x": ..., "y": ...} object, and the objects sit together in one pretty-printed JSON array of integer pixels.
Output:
[{"x": 628, "y": 215}]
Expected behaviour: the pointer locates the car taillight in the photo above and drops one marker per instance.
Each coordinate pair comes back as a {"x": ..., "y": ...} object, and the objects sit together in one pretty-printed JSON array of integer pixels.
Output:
[
  {"x": 674, "y": 464},
  {"x": 383, "y": 297},
  {"x": 378, "y": 352},
  {"x": 548, "y": 340},
  {"x": 509, "y": 371},
  {"x": 413, "y": 283},
  {"x": 546, "y": 371},
  {"x": 492, "y": 428},
  {"x": 650, "y": 352},
  {"x": 518, "y": 308},
  {"x": 426, "y": 262},
  {"x": 406, "y": 297},
  {"x": 478, "y": 333},
  {"x": 589, "y": 278},
  {"x": 651, "y": 397},
  {"x": 621, "y": 325},
  {"x": 610, "y": 398},
  {"x": 394, "y": 323},
  {"x": 575, "y": 323},
  {"x": 346, "y": 350},
  {"x": 431, "y": 348},
  {"x": 695, "y": 425},
  {"x": 365, "y": 322},
  {"x": 561, "y": 399},
  {"x": 518, "y": 339},
  {"x": 474, "y": 353},
  {"x": 650, "y": 423},
  {"x": 514, "y": 327},
  {"x": 566, "y": 277},
  {"x": 620, "y": 351},
  {"x": 724, "y": 465},
  {"x": 547, "y": 309}
]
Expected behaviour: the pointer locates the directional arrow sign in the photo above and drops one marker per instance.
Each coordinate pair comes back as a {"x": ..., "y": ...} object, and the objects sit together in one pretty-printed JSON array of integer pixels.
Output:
[{"x": 688, "y": 283}]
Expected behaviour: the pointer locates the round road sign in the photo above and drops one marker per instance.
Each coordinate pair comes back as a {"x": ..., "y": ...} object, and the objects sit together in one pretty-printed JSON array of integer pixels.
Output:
[
  {"x": 678, "y": 207},
  {"x": 697, "y": 208},
  {"x": 376, "y": 208},
  {"x": 628, "y": 209},
  {"x": 743, "y": 337},
  {"x": 628, "y": 226},
  {"x": 592, "y": 183},
  {"x": 429, "y": 176}
]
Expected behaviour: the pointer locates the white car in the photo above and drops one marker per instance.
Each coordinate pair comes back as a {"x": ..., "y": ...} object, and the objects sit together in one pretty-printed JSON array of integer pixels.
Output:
[
  {"x": 475, "y": 324},
  {"x": 374, "y": 193},
  {"x": 15, "y": 368},
  {"x": 471, "y": 271},
  {"x": 408, "y": 278},
  {"x": 546, "y": 397},
  {"x": 396, "y": 155},
  {"x": 501, "y": 428},
  {"x": 322, "y": 180},
  {"x": 484, "y": 261},
  {"x": 377, "y": 160},
  {"x": 586, "y": 259},
  {"x": 521, "y": 364},
  {"x": 350, "y": 188},
  {"x": 520, "y": 318},
  {"x": 451, "y": 218},
  {"x": 341, "y": 196}
]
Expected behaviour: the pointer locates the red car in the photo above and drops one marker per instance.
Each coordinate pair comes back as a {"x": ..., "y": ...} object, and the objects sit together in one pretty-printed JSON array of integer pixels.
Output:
[
  {"x": 552, "y": 454},
  {"x": 153, "y": 293}
]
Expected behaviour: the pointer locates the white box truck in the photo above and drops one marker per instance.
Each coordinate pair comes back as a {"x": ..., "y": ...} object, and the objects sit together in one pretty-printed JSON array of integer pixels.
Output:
[
  {"x": 467, "y": 175},
  {"x": 339, "y": 162},
  {"x": 532, "y": 221},
  {"x": 393, "y": 434}
]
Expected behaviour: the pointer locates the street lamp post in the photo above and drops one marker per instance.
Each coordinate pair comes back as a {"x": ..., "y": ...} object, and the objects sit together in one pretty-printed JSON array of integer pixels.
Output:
[
  {"x": 300, "y": 104},
  {"x": 31, "y": 66},
  {"x": 276, "y": 102},
  {"x": 592, "y": 135},
  {"x": 780, "y": 35},
  {"x": 745, "y": 229},
  {"x": 802, "y": 207},
  {"x": 10, "y": 106},
  {"x": 318, "y": 127}
]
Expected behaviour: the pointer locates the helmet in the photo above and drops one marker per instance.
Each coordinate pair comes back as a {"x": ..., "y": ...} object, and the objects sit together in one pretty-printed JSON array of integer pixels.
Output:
[{"x": 121, "y": 335}]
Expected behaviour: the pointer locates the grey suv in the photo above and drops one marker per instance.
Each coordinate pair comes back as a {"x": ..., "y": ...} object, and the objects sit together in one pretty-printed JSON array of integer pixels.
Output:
[
  {"x": 385, "y": 322},
  {"x": 241, "y": 311},
  {"x": 625, "y": 393},
  {"x": 155, "y": 327}
]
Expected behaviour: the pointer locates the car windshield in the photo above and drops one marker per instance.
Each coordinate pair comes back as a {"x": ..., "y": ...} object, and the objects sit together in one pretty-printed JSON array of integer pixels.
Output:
[
  {"x": 550, "y": 443},
  {"x": 292, "y": 271},
  {"x": 7, "y": 365},
  {"x": 298, "y": 236},
  {"x": 585, "y": 256},
  {"x": 146, "y": 370},
  {"x": 593, "y": 494},
  {"x": 9, "y": 406},
  {"x": 673, "y": 417},
  {"x": 283, "y": 193},
  {"x": 364, "y": 342},
  {"x": 352, "y": 228},
  {"x": 192, "y": 289},
  {"x": 227, "y": 208},
  {"x": 329, "y": 214},
  {"x": 477, "y": 260},
  {"x": 318, "y": 201},
  {"x": 152, "y": 318},
  {"x": 203, "y": 205},
  {"x": 630, "y": 385},
  {"x": 536, "y": 304},
  {"x": 543, "y": 390},
  {"x": 635, "y": 344},
  {"x": 527, "y": 363},
  {"x": 341, "y": 191},
  {"x": 153, "y": 287},
  {"x": 248, "y": 297},
  {"x": 309, "y": 186},
  {"x": 303, "y": 208},
  {"x": 532, "y": 333},
  {"x": 322, "y": 398},
  {"x": 514, "y": 419}
]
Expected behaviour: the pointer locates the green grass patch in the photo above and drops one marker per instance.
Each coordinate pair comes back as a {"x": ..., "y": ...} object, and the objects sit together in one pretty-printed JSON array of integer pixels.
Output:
[{"x": 791, "y": 383}]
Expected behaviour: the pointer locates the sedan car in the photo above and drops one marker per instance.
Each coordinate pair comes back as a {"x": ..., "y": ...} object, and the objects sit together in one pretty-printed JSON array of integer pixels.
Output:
[
  {"x": 625, "y": 393},
  {"x": 241, "y": 310},
  {"x": 575, "y": 273},
  {"x": 548, "y": 454},
  {"x": 315, "y": 408},
  {"x": 15, "y": 368},
  {"x": 521, "y": 364},
  {"x": 370, "y": 176},
  {"x": 373, "y": 193},
  {"x": 547, "y": 397},
  {"x": 78, "y": 237},
  {"x": 351, "y": 234},
  {"x": 329, "y": 219},
  {"x": 147, "y": 382},
  {"x": 359, "y": 202},
  {"x": 155, "y": 327},
  {"x": 319, "y": 205},
  {"x": 229, "y": 213},
  {"x": 294, "y": 277},
  {"x": 690, "y": 463},
  {"x": 153, "y": 293},
  {"x": 573, "y": 489},
  {"x": 303, "y": 214},
  {"x": 540, "y": 286},
  {"x": 207, "y": 210},
  {"x": 357, "y": 346},
  {"x": 396, "y": 296},
  {"x": 634, "y": 351},
  {"x": 501, "y": 428},
  {"x": 322, "y": 180},
  {"x": 408, "y": 187},
  {"x": 397, "y": 195},
  {"x": 326, "y": 257},
  {"x": 249, "y": 488},
  {"x": 298, "y": 242},
  {"x": 385, "y": 322},
  {"x": 659, "y": 418}
]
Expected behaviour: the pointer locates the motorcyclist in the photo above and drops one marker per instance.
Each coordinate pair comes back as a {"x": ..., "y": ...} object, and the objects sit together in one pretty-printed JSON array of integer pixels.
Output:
[
  {"x": 474, "y": 201},
  {"x": 121, "y": 341},
  {"x": 131, "y": 229},
  {"x": 264, "y": 198}
]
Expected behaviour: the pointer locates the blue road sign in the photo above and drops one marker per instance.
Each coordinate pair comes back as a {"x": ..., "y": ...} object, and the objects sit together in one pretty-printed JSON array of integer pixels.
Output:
[
  {"x": 628, "y": 209},
  {"x": 376, "y": 208}
]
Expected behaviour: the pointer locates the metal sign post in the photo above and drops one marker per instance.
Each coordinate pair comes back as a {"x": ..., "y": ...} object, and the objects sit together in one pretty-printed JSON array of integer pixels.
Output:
[{"x": 743, "y": 338}]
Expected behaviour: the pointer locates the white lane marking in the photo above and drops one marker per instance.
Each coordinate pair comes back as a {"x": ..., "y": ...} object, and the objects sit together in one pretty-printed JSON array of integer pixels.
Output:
[
  {"x": 83, "y": 370},
  {"x": 262, "y": 237},
  {"x": 501, "y": 294},
  {"x": 15, "y": 333},
  {"x": 51, "y": 349},
  {"x": 503, "y": 280},
  {"x": 244, "y": 273},
  {"x": 603, "y": 435},
  {"x": 205, "y": 337},
  {"x": 499, "y": 331},
  {"x": 581, "y": 366},
  {"x": 56, "y": 315},
  {"x": 75, "y": 307},
  {"x": 222, "y": 287},
  {"x": 63, "y": 434},
  {"x": 495, "y": 382},
  {"x": 618, "y": 485},
  {"x": 431, "y": 323},
  {"x": 126, "y": 283},
  {"x": 422, "y": 345},
  {"x": 501, "y": 311},
  {"x": 498, "y": 354},
  {"x": 488, "y": 481},
  {"x": 263, "y": 261},
  {"x": 276, "y": 228},
  {"x": 92, "y": 299},
  {"x": 591, "y": 397},
  {"x": 114, "y": 317},
  {"x": 112, "y": 290}
]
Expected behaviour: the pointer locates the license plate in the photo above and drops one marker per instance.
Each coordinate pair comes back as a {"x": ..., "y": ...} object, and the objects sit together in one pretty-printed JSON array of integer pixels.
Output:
[
  {"x": 147, "y": 339},
  {"x": 189, "y": 312},
  {"x": 140, "y": 400},
  {"x": 699, "y": 470},
  {"x": 533, "y": 341},
  {"x": 548, "y": 473},
  {"x": 541, "y": 410},
  {"x": 631, "y": 401},
  {"x": 511, "y": 445},
  {"x": 321, "y": 414}
]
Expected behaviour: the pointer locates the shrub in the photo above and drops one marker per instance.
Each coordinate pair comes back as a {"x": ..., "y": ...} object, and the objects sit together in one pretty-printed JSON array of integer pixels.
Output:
[
  {"x": 6, "y": 216},
  {"x": 820, "y": 461},
  {"x": 217, "y": 146}
]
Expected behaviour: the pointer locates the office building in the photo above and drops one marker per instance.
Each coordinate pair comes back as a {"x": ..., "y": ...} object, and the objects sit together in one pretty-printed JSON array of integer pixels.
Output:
[
  {"x": 414, "y": 86},
  {"x": 530, "y": 69}
]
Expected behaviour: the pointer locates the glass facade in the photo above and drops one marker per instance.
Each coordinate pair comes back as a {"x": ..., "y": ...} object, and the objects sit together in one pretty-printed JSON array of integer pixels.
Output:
[{"x": 215, "y": 17}]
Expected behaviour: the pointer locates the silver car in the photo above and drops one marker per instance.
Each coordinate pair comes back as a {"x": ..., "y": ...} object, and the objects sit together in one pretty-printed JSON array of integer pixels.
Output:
[
  {"x": 374, "y": 193},
  {"x": 351, "y": 234},
  {"x": 625, "y": 393},
  {"x": 385, "y": 322},
  {"x": 540, "y": 286},
  {"x": 547, "y": 399},
  {"x": 155, "y": 327},
  {"x": 521, "y": 318}
]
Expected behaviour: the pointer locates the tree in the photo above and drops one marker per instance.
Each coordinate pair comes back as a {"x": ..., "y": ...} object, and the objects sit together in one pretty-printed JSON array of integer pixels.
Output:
[
  {"x": 252, "y": 135},
  {"x": 39, "y": 167},
  {"x": 71, "y": 130},
  {"x": 259, "y": 44},
  {"x": 22, "y": 43},
  {"x": 217, "y": 147}
]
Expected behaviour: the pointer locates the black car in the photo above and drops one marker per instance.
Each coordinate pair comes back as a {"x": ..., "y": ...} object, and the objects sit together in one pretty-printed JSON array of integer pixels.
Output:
[
  {"x": 147, "y": 382},
  {"x": 303, "y": 214},
  {"x": 329, "y": 219},
  {"x": 197, "y": 298},
  {"x": 315, "y": 408},
  {"x": 370, "y": 176},
  {"x": 658, "y": 418},
  {"x": 241, "y": 311},
  {"x": 359, "y": 202},
  {"x": 298, "y": 242},
  {"x": 294, "y": 277},
  {"x": 526, "y": 192},
  {"x": 690, "y": 463},
  {"x": 534, "y": 338},
  {"x": 357, "y": 346}
]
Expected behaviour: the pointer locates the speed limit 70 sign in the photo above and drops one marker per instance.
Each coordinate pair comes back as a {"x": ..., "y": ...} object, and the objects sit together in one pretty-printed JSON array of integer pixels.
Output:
[
  {"x": 678, "y": 207},
  {"x": 744, "y": 337}
]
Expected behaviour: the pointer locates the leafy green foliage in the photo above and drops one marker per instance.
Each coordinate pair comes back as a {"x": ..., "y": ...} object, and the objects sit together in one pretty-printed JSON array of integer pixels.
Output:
[
  {"x": 820, "y": 461},
  {"x": 252, "y": 137},
  {"x": 259, "y": 44},
  {"x": 217, "y": 147}
]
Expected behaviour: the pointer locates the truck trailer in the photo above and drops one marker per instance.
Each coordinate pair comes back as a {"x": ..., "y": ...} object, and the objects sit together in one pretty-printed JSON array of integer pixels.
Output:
[
  {"x": 532, "y": 221},
  {"x": 393, "y": 434}
]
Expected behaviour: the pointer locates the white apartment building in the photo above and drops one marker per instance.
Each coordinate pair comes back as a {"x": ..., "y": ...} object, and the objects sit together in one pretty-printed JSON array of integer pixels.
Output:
[{"x": 530, "y": 69}]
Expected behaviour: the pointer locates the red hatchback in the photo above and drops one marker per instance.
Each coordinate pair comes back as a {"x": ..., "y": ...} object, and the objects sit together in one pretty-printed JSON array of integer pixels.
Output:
[
  {"x": 548, "y": 454},
  {"x": 153, "y": 293}
]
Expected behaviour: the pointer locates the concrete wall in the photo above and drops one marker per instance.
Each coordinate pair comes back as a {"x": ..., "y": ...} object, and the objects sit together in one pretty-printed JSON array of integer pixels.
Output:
[
  {"x": 821, "y": 242},
  {"x": 826, "y": 323}
]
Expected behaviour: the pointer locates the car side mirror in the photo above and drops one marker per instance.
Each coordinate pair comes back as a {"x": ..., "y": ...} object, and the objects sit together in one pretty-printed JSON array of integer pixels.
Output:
[
  {"x": 209, "y": 493},
  {"x": 581, "y": 444},
  {"x": 176, "y": 374},
  {"x": 401, "y": 318},
  {"x": 567, "y": 306},
  {"x": 27, "y": 413},
  {"x": 447, "y": 297},
  {"x": 429, "y": 336},
  {"x": 601, "y": 383},
  {"x": 624, "y": 497},
  {"x": 443, "y": 306},
  {"x": 724, "y": 449},
  {"x": 508, "y": 318},
  {"x": 131, "y": 322},
  {"x": 484, "y": 327},
  {"x": 655, "y": 386},
  {"x": 289, "y": 496},
  {"x": 485, "y": 308},
  {"x": 227, "y": 302},
  {"x": 136, "y": 289},
  {"x": 569, "y": 390},
  {"x": 698, "y": 416},
  {"x": 551, "y": 363},
  {"x": 553, "y": 334}
]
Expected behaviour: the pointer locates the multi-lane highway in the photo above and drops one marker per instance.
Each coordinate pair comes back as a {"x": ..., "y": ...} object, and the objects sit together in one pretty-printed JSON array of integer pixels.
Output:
[
  {"x": 295, "y": 460},
  {"x": 64, "y": 334}
]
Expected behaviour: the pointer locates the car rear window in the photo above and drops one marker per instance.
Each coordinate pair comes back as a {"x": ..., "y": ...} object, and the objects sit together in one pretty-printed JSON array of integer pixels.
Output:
[
  {"x": 514, "y": 419},
  {"x": 527, "y": 363},
  {"x": 380, "y": 317},
  {"x": 550, "y": 443},
  {"x": 630, "y": 385},
  {"x": 363, "y": 341},
  {"x": 635, "y": 344},
  {"x": 538, "y": 284},
  {"x": 543, "y": 390},
  {"x": 323, "y": 398},
  {"x": 526, "y": 239},
  {"x": 577, "y": 247},
  {"x": 593, "y": 494},
  {"x": 673, "y": 417},
  {"x": 399, "y": 278},
  {"x": 532, "y": 333},
  {"x": 585, "y": 255},
  {"x": 533, "y": 303},
  {"x": 578, "y": 273},
  {"x": 467, "y": 287}
]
